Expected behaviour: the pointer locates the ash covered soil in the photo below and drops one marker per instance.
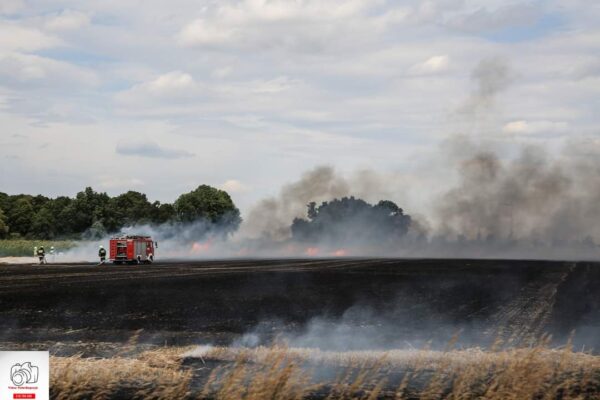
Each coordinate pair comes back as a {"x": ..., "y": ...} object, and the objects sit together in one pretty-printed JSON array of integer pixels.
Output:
[{"x": 373, "y": 303}]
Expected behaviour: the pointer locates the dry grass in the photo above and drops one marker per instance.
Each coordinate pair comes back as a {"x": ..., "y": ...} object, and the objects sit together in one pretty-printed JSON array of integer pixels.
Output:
[
  {"x": 287, "y": 373},
  {"x": 151, "y": 375}
]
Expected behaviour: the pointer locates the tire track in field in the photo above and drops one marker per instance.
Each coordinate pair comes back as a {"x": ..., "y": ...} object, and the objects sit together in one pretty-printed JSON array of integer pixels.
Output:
[{"x": 522, "y": 321}]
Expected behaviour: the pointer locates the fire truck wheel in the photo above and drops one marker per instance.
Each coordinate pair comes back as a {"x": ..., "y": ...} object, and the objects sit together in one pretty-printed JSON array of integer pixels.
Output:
[{"x": 117, "y": 263}]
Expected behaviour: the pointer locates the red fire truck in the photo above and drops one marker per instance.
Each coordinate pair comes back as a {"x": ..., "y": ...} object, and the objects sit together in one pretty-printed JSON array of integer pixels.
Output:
[{"x": 132, "y": 249}]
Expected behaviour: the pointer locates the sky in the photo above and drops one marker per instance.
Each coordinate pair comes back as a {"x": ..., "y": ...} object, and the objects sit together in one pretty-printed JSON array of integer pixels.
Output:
[{"x": 161, "y": 97}]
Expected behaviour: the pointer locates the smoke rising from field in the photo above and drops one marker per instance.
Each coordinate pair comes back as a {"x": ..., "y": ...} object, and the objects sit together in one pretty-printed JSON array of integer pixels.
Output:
[
  {"x": 534, "y": 197},
  {"x": 199, "y": 239},
  {"x": 533, "y": 205},
  {"x": 538, "y": 203},
  {"x": 490, "y": 77},
  {"x": 271, "y": 218},
  {"x": 362, "y": 327}
]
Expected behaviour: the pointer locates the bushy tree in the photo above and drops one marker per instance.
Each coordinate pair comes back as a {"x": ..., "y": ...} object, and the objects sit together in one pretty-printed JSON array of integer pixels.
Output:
[
  {"x": 4, "y": 201},
  {"x": 209, "y": 205},
  {"x": 59, "y": 208},
  {"x": 87, "y": 207},
  {"x": 20, "y": 215},
  {"x": 127, "y": 209},
  {"x": 3, "y": 226},
  {"x": 43, "y": 225},
  {"x": 163, "y": 213},
  {"x": 350, "y": 221}
]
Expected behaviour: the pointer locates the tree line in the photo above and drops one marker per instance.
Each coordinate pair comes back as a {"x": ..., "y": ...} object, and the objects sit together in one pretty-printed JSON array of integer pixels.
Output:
[{"x": 92, "y": 214}]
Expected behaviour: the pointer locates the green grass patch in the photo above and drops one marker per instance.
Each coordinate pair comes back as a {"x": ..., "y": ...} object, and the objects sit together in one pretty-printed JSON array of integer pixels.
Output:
[{"x": 24, "y": 248}]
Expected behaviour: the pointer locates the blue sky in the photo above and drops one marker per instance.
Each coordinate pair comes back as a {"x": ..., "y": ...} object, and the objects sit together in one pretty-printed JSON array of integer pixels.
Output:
[{"x": 247, "y": 95}]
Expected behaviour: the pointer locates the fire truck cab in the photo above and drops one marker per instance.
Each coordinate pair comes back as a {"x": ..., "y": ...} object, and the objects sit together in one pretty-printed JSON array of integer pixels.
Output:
[{"x": 132, "y": 249}]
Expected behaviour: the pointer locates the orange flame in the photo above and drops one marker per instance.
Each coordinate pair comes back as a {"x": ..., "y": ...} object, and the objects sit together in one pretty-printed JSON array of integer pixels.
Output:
[
  {"x": 198, "y": 247},
  {"x": 312, "y": 251},
  {"x": 340, "y": 253}
]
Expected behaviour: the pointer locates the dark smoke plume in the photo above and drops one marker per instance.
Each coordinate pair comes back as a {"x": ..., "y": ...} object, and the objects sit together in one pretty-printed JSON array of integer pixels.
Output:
[
  {"x": 535, "y": 198},
  {"x": 271, "y": 218},
  {"x": 490, "y": 77}
]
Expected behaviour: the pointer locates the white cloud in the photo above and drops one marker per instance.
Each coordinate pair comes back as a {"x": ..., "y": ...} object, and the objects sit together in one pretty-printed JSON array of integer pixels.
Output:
[
  {"x": 170, "y": 84},
  {"x": 432, "y": 65},
  {"x": 18, "y": 67},
  {"x": 11, "y": 6},
  {"x": 202, "y": 32},
  {"x": 67, "y": 20},
  {"x": 233, "y": 186},
  {"x": 308, "y": 26},
  {"x": 14, "y": 37},
  {"x": 169, "y": 87},
  {"x": 522, "y": 127}
]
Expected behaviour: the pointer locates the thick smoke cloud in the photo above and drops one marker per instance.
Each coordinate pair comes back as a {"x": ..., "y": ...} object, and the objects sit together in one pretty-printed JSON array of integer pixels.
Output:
[
  {"x": 536, "y": 203},
  {"x": 535, "y": 197},
  {"x": 271, "y": 218}
]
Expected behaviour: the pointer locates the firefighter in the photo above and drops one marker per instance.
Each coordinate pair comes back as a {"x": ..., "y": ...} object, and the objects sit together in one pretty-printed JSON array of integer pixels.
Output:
[
  {"x": 41, "y": 255},
  {"x": 102, "y": 255}
]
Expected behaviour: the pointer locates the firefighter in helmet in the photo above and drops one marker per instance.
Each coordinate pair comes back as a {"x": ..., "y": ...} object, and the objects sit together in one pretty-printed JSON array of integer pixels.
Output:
[
  {"x": 102, "y": 254},
  {"x": 41, "y": 255}
]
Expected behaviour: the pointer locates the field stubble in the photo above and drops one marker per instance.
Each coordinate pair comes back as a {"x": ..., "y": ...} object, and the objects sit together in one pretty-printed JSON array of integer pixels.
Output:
[{"x": 281, "y": 372}]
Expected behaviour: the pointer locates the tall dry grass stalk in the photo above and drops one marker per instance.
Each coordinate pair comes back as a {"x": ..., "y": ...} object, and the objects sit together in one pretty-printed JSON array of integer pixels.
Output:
[
  {"x": 290, "y": 373},
  {"x": 152, "y": 375}
]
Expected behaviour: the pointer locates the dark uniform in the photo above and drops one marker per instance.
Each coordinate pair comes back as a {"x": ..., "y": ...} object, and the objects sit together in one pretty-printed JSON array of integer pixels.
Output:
[
  {"x": 102, "y": 255},
  {"x": 41, "y": 255}
]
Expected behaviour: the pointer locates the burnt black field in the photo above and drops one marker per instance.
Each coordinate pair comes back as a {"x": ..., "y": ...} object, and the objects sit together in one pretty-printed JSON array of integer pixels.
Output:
[{"x": 332, "y": 303}]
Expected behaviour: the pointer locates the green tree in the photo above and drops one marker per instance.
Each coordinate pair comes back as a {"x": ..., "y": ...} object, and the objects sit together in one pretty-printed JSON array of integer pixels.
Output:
[
  {"x": 349, "y": 220},
  {"x": 211, "y": 205},
  {"x": 4, "y": 201},
  {"x": 21, "y": 215},
  {"x": 62, "y": 223},
  {"x": 163, "y": 213},
  {"x": 87, "y": 207},
  {"x": 128, "y": 209},
  {"x": 3, "y": 225},
  {"x": 39, "y": 201},
  {"x": 43, "y": 225}
]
